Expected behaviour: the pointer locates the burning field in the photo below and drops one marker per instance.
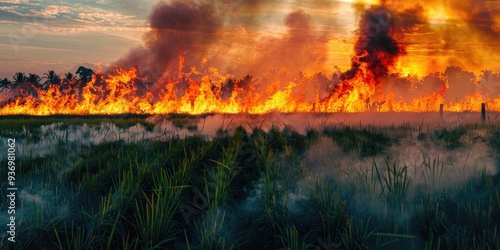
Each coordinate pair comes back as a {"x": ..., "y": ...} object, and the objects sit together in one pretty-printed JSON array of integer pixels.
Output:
[
  {"x": 201, "y": 57},
  {"x": 230, "y": 127}
]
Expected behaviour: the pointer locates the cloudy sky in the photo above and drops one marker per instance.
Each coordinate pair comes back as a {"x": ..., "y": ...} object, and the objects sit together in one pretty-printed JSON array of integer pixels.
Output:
[
  {"x": 60, "y": 35},
  {"x": 42, "y": 35}
]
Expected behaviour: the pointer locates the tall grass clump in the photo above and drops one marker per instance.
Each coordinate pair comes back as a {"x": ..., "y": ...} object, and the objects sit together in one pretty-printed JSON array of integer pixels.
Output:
[
  {"x": 217, "y": 191},
  {"x": 275, "y": 211},
  {"x": 331, "y": 210},
  {"x": 395, "y": 184},
  {"x": 155, "y": 225}
]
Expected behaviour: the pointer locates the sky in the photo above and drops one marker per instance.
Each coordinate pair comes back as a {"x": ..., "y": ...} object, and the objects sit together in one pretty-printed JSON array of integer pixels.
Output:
[{"x": 38, "y": 36}]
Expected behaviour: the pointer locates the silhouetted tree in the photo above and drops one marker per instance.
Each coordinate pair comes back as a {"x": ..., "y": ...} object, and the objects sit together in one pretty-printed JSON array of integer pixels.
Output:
[
  {"x": 69, "y": 78},
  {"x": 5, "y": 84},
  {"x": 460, "y": 83},
  {"x": 432, "y": 82},
  {"x": 489, "y": 83},
  {"x": 85, "y": 73},
  {"x": 486, "y": 75},
  {"x": 52, "y": 78},
  {"x": 33, "y": 81},
  {"x": 245, "y": 82},
  {"x": 19, "y": 79},
  {"x": 335, "y": 78},
  {"x": 401, "y": 86},
  {"x": 322, "y": 80},
  {"x": 68, "y": 81}
]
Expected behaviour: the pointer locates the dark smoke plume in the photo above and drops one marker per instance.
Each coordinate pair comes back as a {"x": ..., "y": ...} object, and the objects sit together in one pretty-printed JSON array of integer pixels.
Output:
[
  {"x": 177, "y": 28},
  {"x": 376, "y": 46}
]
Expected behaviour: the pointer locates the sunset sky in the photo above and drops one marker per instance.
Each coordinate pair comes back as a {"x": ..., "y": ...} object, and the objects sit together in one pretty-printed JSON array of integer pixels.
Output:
[{"x": 61, "y": 35}]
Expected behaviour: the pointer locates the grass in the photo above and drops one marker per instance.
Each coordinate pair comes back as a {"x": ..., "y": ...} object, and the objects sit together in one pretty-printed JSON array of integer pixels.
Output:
[
  {"x": 395, "y": 184},
  {"x": 24, "y": 126},
  {"x": 367, "y": 141},
  {"x": 255, "y": 189}
]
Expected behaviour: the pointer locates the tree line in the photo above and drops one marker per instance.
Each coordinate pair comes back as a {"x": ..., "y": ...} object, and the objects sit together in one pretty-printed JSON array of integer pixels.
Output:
[{"x": 31, "y": 82}]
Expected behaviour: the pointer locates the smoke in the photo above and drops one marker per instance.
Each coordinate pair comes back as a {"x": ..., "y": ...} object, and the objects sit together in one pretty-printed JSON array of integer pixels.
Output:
[
  {"x": 376, "y": 45},
  {"x": 275, "y": 41},
  {"x": 355, "y": 179},
  {"x": 241, "y": 37},
  {"x": 177, "y": 28},
  {"x": 328, "y": 162},
  {"x": 301, "y": 48},
  {"x": 381, "y": 37},
  {"x": 233, "y": 31},
  {"x": 458, "y": 32}
]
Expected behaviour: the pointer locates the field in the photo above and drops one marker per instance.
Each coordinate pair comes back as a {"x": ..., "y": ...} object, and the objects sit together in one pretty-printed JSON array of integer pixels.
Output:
[{"x": 276, "y": 181}]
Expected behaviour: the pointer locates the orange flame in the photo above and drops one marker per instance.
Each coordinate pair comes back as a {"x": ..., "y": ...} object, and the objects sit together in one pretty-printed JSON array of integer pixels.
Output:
[{"x": 118, "y": 93}]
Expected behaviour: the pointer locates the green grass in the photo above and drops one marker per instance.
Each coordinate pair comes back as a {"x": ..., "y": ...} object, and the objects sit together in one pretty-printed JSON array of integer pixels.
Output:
[
  {"x": 254, "y": 189},
  {"x": 24, "y": 126},
  {"x": 366, "y": 141}
]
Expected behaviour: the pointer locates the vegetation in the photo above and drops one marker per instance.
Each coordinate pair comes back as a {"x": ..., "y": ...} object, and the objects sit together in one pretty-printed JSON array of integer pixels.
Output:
[{"x": 253, "y": 189}]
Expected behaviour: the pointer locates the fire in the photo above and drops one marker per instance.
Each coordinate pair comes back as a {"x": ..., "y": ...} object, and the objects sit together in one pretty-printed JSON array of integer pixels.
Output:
[
  {"x": 119, "y": 93},
  {"x": 438, "y": 15},
  {"x": 185, "y": 67}
]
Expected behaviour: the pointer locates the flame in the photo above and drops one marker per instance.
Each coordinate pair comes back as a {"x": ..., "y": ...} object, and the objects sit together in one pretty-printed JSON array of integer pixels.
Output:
[
  {"x": 211, "y": 92},
  {"x": 438, "y": 15},
  {"x": 191, "y": 65}
]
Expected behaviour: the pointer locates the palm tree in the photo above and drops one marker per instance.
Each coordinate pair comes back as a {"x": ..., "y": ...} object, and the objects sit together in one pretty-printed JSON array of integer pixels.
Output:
[
  {"x": 489, "y": 84},
  {"x": 19, "y": 78},
  {"x": 85, "y": 74},
  {"x": 486, "y": 75},
  {"x": 5, "y": 84},
  {"x": 68, "y": 81},
  {"x": 52, "y": 78},
  {"x": 69, "y": 78},
  {"x": 34, "y": 79}
]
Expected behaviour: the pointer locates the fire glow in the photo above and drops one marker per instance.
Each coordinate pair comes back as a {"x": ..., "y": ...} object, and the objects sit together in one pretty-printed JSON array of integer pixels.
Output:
[{"x": 173, "y": 73}]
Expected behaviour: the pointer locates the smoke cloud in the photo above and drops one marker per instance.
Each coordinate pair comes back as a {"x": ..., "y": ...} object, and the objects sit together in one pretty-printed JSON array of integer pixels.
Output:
[
  {"x": 241, "y": 37},
  {"x": 176, "y": 29},
  {"x": 274, "y": 41},
  {"x": 376, "y": 45}
]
